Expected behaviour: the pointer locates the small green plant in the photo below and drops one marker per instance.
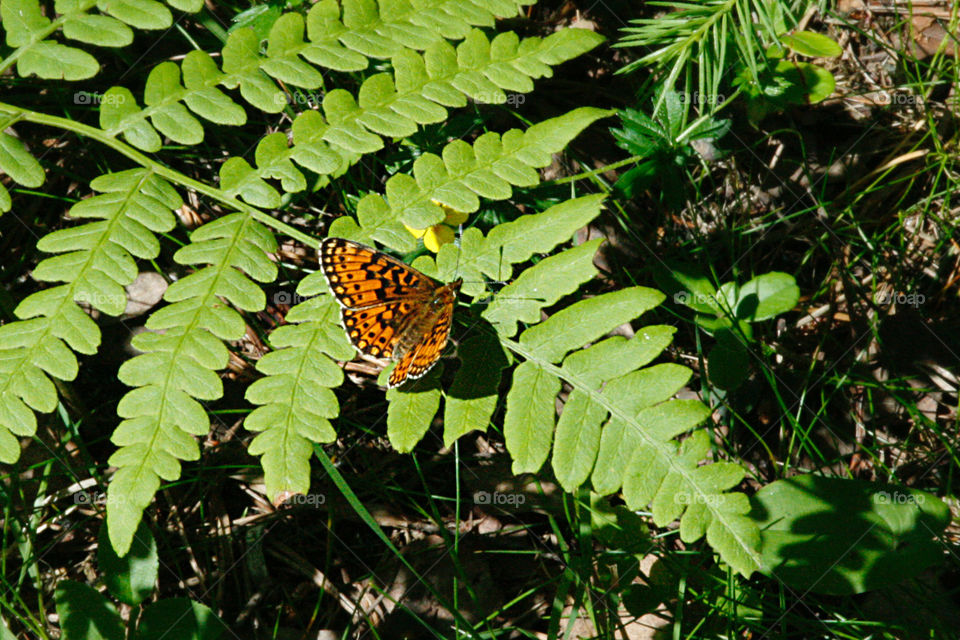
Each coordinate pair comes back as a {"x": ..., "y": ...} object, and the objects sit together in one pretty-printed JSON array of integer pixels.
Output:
[
  {"x": 711, "y": 50},
  {"x": 663, "y": 146},
  {"x": 87, "y": 614},
  {"x": 844, "y": 536},
  {"x": 781, "y": 83},
  {"x": 727, "y": 313}
]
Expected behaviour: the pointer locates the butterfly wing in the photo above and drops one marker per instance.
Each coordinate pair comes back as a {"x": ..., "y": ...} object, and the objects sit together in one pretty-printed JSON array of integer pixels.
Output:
[
  {"x": 361, "y": 277},
  {"x": 375, "y": 331},
  {"x": 383, "y": 302},
  {"x": 420, "y": 359}
]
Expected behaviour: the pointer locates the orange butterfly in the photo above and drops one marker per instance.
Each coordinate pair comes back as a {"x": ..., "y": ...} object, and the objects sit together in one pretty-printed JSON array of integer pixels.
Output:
[{"x": 389, "y": 310}]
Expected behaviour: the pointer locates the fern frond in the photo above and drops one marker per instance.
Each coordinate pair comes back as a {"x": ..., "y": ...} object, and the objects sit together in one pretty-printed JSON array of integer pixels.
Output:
[
  {"x": 473, "y": 395},
  {"x": 295, "y": 397},
  {"x": 27, "y": 30},
  {"x": 272, "y": 156},
  {"x": 120, "y": 113},
  {"x": 488, "y": 168},
  {"x": 635, "y": 446},
  {"x": 417, "y": 93},
  {"x": 472, "y": 398},
  {"x": 179, "y": 362},
  {"x": 96, "y": 262}
]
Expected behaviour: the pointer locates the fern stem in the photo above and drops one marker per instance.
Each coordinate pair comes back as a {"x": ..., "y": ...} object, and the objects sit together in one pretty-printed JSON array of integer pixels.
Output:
[
  {"x": 157, "y": 167},
  {"x": 595, "y": 172}
]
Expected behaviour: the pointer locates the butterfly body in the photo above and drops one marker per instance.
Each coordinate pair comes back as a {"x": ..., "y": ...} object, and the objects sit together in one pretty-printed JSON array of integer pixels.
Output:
[{"x": 389, "y": 309}]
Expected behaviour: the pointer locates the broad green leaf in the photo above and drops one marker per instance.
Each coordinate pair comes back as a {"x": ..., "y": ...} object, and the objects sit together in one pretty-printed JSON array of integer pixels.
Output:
[
  {"x": 536, "y": 233},
  {"x": 577, "y": 439},
  {"x": 842, "y": 536},
  {"x": 187, "y": 6},
  {"x": 342, "y": 112},
  {"x": 309, "y": 148},
  {"x": 273, "y": 161},
  {"x": 132, "y": 578},
  {"x": 686, "y": 285},
  {"x": 803, "y": 83},
  {"x": 119, "y": 113},
  {"x": 815, "y": 45},
  {"x": 169, "y": 116},
  {"x": 17, "y": 419},
  {"x": 375, "y": 98},
  {"x": 284, "y": 43},
  {"x": 238, "y": 177},
  {"x": 179, "y": 618},
  {"x": 241, "y": 63},
  {"x": 200, "y": 74},
  {"x": 102, "y": 31},
  {"x": 131, "y": 490},
  {"x": 565, "y": 44},
  {"x": 22, "y": 19},
  {"x": 728, "y": 362},
  {"x": 85, "y": 614},
  {"x": 766, "y": 296},
  {"x": 617, "y": 356}
]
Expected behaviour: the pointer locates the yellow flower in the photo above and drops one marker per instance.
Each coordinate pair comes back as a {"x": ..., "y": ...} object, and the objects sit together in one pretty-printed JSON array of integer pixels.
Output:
[{"x": 442, "y": 233}]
